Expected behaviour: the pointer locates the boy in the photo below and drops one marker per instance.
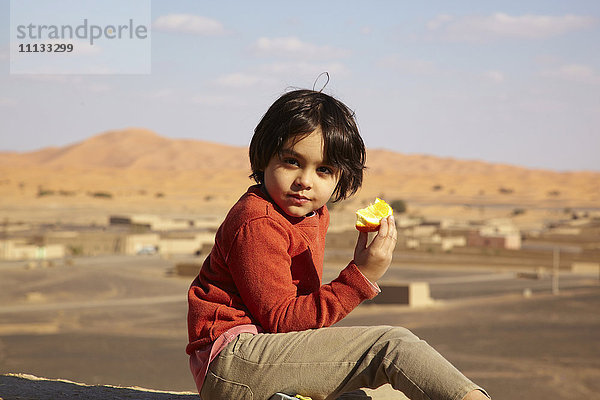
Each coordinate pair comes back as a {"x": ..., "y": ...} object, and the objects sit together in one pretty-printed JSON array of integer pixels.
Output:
[{"x": 259, "y": 317}]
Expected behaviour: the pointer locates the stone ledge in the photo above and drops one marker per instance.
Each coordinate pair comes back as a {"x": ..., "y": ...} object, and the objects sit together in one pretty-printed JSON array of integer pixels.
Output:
[{"x": 29, "y": 387}]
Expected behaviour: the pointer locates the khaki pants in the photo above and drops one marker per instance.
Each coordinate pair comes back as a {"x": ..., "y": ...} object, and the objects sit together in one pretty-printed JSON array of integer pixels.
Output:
[{"x": 325, "y": 363}]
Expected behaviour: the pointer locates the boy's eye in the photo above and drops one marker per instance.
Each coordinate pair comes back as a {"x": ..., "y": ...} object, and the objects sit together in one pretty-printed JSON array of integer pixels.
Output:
[
  {"x": 291, "y": 161},
  {"x": 325, "y": 170}
]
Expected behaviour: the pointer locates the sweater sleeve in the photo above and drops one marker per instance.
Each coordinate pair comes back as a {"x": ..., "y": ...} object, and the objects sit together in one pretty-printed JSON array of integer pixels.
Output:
[{"x": 259, "y": 262}]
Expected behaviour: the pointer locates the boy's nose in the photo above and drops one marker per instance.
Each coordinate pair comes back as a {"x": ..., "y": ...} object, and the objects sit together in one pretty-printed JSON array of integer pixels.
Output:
[{"x": 303, "y": 181}]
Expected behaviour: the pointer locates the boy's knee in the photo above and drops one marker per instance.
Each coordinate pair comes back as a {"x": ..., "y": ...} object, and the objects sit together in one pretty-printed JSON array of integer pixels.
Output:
[
  {"x": 401, "y": 341},
  {"x": 400, "y": 333}
]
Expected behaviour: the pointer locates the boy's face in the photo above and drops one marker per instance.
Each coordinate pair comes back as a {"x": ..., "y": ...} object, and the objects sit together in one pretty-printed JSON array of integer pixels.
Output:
[{"x": 300, "y": 181}]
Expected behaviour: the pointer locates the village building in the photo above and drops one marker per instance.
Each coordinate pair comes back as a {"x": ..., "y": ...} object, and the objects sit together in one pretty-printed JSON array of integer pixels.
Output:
[
  {"x": 136, "y": 235},
  {"x": 24, "y": 249}
]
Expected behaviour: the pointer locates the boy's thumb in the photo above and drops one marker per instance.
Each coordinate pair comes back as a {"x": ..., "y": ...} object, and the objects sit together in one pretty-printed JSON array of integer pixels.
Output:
[{"x": 361, "y": 242}]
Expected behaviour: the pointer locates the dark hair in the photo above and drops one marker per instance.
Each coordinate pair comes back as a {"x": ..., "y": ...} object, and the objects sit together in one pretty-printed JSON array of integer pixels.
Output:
[{"x": 298, "y": 113}]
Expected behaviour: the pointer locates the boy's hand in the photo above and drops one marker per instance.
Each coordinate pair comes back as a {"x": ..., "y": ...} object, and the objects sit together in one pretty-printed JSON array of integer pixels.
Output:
[{"x": 373, "y": 260}]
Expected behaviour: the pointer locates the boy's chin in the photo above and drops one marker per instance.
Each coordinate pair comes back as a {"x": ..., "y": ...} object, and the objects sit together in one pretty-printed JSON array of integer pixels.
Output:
[{"x": 297, "y": 212}]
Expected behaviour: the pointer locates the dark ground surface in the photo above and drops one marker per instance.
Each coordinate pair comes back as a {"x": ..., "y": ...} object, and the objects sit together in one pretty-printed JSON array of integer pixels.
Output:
[
  {"x": 122, "y": 321},
  {"x": 544, "y": 347}
]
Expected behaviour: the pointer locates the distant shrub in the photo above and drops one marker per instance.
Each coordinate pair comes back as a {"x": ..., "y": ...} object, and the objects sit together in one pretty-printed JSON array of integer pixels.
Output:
[
  {"x": 102, "y": 195},
  {"x": 504, "y": 190},
  {"x": 66, "y": 193},
  {"x": 399, "y": 206},
  {"x": 574, "y": 216},
  {"x": 75, "y": 250},
  {"x": 437, "y": 188},
  {"x": 554, "y": 193},
  {"x": 518, "y": 211},
  {"x": 159, "y": 195},
  {"x": 44, "y": 192}
]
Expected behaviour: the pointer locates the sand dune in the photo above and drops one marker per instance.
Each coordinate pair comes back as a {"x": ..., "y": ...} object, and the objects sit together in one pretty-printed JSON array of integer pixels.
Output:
[
  {"x": 139, "y": 165},
  {"x": 134, "y": 149}
]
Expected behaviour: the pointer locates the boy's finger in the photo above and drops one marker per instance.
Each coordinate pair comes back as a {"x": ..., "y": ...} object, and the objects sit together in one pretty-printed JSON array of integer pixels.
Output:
[
  {"x": 383, "y": 228},
  {"x": 392, "y": 233},
  {"x": 386, "y": 237},
  {"x": 387, "y": 230}
]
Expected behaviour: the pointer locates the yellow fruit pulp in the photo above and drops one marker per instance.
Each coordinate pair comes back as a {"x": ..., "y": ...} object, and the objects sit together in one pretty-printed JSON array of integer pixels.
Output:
[{"x": 368, "y": 219}]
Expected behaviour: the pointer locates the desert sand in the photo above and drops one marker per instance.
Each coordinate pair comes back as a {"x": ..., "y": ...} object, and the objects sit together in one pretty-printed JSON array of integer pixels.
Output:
[{"x": 137, "y": 170}]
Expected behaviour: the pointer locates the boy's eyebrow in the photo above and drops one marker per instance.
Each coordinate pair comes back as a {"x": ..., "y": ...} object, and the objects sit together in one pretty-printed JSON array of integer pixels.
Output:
[{"x": 290, "y": 152}]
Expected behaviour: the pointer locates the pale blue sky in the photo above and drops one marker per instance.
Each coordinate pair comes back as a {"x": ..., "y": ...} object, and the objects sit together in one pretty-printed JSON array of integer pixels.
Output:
[{"x": 514, "y": 82}]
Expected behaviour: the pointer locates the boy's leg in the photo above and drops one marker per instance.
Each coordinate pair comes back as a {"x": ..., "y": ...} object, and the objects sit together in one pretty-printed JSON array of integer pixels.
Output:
[{"x": 324, "y": 363}]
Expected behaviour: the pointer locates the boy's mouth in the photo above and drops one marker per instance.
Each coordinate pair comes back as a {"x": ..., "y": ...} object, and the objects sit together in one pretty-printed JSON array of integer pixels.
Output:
[{"x": 298, "y": 199}]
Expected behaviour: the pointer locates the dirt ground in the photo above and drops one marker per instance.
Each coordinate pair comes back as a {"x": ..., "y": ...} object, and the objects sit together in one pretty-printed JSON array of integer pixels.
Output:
[{"x": 122, "y": 321}]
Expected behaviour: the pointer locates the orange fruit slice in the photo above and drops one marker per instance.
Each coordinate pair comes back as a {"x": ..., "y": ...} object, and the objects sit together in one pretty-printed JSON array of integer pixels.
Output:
[{"x": 369, "y": 218}]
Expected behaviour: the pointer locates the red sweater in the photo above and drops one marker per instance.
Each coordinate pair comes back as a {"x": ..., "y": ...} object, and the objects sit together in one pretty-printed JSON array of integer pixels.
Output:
[{"x": 265, "y": 269}]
